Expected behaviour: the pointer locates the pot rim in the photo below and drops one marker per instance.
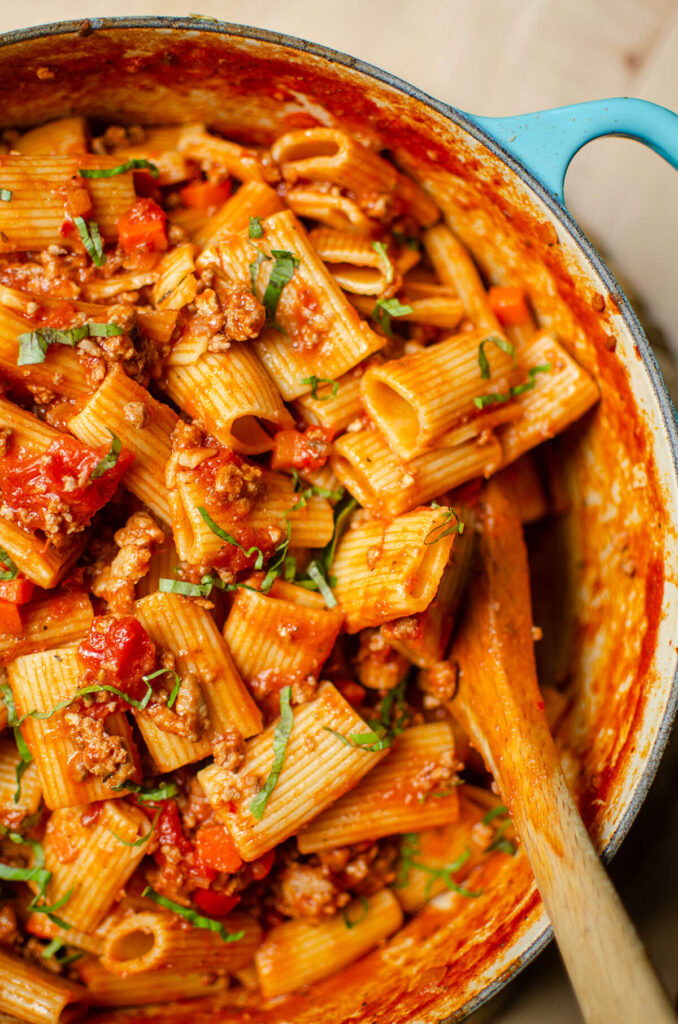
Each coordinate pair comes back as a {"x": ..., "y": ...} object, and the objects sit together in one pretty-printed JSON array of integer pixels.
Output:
[{"x": 667, "y": 409}]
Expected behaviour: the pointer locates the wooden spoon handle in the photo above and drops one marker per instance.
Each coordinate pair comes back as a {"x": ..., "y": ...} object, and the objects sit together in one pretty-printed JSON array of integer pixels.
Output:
[{"x": 610, "y": 972}]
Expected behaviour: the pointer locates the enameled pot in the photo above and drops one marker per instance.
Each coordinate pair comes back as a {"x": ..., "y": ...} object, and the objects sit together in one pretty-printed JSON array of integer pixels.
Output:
[{"x": 605, "y": 571}]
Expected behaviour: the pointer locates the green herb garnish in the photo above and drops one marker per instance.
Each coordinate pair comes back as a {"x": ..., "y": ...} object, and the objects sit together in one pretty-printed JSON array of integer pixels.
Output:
[
  {"x": 410, "y": 849},
  {"x": 5, "y": 195},
  {"x": 356, "y": 920},
  {"x": 109, "y": 460},
  {"x": 91, "y": 239},
  {"x": 519, "y": 389},
  {"x": 501, "y": 343},
  {"x": 313, "y": 382},
  {"x": 256, "y": 228},
  {"x": 261, "y": 257},
  {"x": 385, "y": 309},
  {"x": 142, "y": 840},
  {"x": 177, "y": 683},
  {"x": 391, "y": 722},
  {"x": 282, "y": 272},
  {"x": 8, "y": 569},
  {"x": 149, "y": 794},
  {"x": 135, "y": 164},
  {"x": 433, "y": 536},
  {"x": 197, "y": 920},
  {"x": 34, "y": 344},
  {"x": 380, "y": 250},
  {"x": 280, "y": 738}
]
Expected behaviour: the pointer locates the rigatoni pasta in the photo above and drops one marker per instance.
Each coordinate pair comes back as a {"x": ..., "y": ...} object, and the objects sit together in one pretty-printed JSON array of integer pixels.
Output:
[{"x": 253, "y": 393}]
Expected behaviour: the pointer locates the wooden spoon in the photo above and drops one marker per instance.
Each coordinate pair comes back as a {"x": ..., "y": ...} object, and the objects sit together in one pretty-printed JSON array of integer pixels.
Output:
[{"x": 499, "y": 704}]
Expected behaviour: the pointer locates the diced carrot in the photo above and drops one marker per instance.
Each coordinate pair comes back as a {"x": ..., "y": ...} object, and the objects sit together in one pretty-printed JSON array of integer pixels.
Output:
[
  {"x": 293, "y": 449},
  {"x": 143, "y": 225},
  {"x": 204, "y": 194},
  {"x": 10, "y": 618},
  {"x": 509, "y": 305},
  {"x": 79, "y": 202},
  {"x": 216, "y": 848},
  {"x": 16, "y": 591}
]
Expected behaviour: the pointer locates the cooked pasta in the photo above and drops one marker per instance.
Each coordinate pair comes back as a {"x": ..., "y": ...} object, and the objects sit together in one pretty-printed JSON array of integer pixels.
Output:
[{"x": 252, "y": 395}]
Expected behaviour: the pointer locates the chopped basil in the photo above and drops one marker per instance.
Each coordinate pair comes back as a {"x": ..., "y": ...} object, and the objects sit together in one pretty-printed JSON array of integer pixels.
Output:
[
  {"x": 519, "y": 389},
  {"x": 433, "y": 536},
  {"x": 313, "y": 382},
  {"x": 499, "y": 841},
  {"x": 34, "y": 344},
  {"x": 142, "y": 840},
  {"x": 38, "y": 873},
  {"x": 216, "y": 529},
  {"x": 311, "y": 489},
  {"x": 175, "y": 689},
  {"x": 342, "y": 511},
  {"x": 5, "y": 195},
  {"x": 501, "y": 343},
  {"x": 279, "y": 557},
  {"x": 316, "y": 574},
  {"x": 495, "y": 812},
  {"x": 8, "y": 569},
  {"x": 391, "y": 722},
  {"x": 149, "y": 794},
  {"x": 197, "y": 920},
  {"x": 280, "y": 738},
  {"x": 42, "y": 716},
  {"x": 91, "y": 239},
  {"x": 410, "y": 241},
  {"x": 282, "y": 272},
  {"x": 380, "y": 250},
  {"x": 202, "y": 589},
  {"x": 410, "y": 849},
  {"x": 52, "y": 948},
  {"x": 256, "y": 228},
  {"x": 261, "y": 257},
  {"x": 109, "y": 460},
  {"x": 43, "y": 908},
  {"x": 136, "y": 164},
  {"x": 385, "y": 309},
  {"x": 373, "y": 740},
  {"x": 26, "y": 759},
  {"x": 361, "y": 917}
]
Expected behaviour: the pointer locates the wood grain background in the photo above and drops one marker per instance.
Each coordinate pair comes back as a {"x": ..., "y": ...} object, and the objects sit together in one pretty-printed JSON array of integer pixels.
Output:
[{"x": 507, "y": 57}]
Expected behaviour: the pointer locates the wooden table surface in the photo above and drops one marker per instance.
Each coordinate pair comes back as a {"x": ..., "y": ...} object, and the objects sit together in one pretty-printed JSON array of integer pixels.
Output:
[{"x": 507, "y": 57}]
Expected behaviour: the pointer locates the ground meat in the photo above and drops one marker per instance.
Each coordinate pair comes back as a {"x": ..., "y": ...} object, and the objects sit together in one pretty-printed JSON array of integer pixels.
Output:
[
  {"x": 441, "y": 680},
  {"x": 307, "y": 891},
  {"x": 239, "y": 482},
  {"x": 8, "y": 926},
  {"x": 302, "y": 314},
  {"x": 135, "y": 413},
  {"x": 228, "y": 749},
  {"x": 119, "y": 136},
  {"x": 194, "y": 805},
  {"x": 362, "y": 869},
  {"x": 100, "y": 754},
  {"x": 136, "y": 541},
  {"x": 244, "y": 316},
  {"x": 188, "y": 717},
  {"x": 379, "y": 666}
]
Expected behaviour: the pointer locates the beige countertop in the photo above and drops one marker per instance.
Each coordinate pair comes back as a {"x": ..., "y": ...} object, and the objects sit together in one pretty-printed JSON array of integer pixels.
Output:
[{"x": 507, "y": 57}]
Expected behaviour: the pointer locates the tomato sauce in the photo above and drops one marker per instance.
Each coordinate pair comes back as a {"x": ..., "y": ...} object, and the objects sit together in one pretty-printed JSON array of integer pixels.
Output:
[{"x": 119, "y": 652}]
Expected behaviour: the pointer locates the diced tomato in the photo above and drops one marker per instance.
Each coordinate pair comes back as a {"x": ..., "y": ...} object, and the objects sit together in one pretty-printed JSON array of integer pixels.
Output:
[
  {"x": 202, "y": 195},
  {"x": 17, "y": 591},
  {"x": 169, "y": 831},
  {"x": 10, "y": 618},
  {"x": 509, "y": 305},
  {"x": 216, "y": 849},
  {"x": 143, "y": 225},
  {"x": 63, "y": 471},
  {"x": 216, "y": 904},
  {"x": 118, "y": 652},
  {"x": 352, "y": 691},
  {"x": 79, "y": 202},
  {"x": 262, "y": 867},
  {"x": 296, "y": 449}
]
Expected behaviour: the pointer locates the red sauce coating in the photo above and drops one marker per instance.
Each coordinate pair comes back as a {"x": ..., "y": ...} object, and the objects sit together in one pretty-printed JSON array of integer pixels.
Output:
[{"x": 118, "y": 652}]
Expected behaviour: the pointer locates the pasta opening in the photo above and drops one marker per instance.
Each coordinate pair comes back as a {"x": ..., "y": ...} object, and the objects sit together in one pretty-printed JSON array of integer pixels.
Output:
[
  {"x": 391, "y": 408},
  {"x": 361, "y": 280},
  {"x": 132, "y": 945},
  {"x": 355, "y": 481},
  {"x": 307, "y": 149},
  {"x": 248, "y": 431}
]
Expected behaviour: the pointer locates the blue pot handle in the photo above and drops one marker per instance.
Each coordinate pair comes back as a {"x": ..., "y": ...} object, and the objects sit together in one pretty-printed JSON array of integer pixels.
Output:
[{"x": 546, "y": 141}]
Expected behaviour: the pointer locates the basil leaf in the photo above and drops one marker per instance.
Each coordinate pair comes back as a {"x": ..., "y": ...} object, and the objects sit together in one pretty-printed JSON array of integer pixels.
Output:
[
  {"x": 142, "y": 840},
  {"x": 480, "y": 401},
  {"x": 280, "y": 554},
  {"x": 135, "y": 164},
  {"x": 501, "y": 343},
  {"x": 5, "y": 195},
  {"x": 216, "y": 529},
  {"x": 33, "y": 346},
  {"x": 53, "y": 947},
  {"x": 313, "y": 382},
  {"x": 8, "y": 696},
  {"x": 280, "y": 738},
  {"x": 365, "y": 910},
  {"x": 410, "y": 848},
  {"x": 342, "y": 511},
  {"x": 43, "y": 908},
  {"x": 149, "y": 794},
  {"x": 109, "y": 460},
  {"x": 197, "y": 920},
  {"x": 104, "y": 330},
  {"x": 256, "y": 228},
  {"x": 8, "y": 569},
  {"x": 495, "y": 812},
  {"x": 316, "y": 574},
  {"x": 91, "y": 239},
  {"x": 432, "y": 537},
  {"x": 385, "y": 309},
  {"x": 167, "y": 586},
  {"x": 380, "y": 250},
  {"x": 175, "y": 689},
  {"x": 282, "y": 272},
  {"x": 26, "y": 759},
  {"x": 261, "y": 257},
  {"x": 520, "y": 389},
  {"x": 32, "y": 349}
]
